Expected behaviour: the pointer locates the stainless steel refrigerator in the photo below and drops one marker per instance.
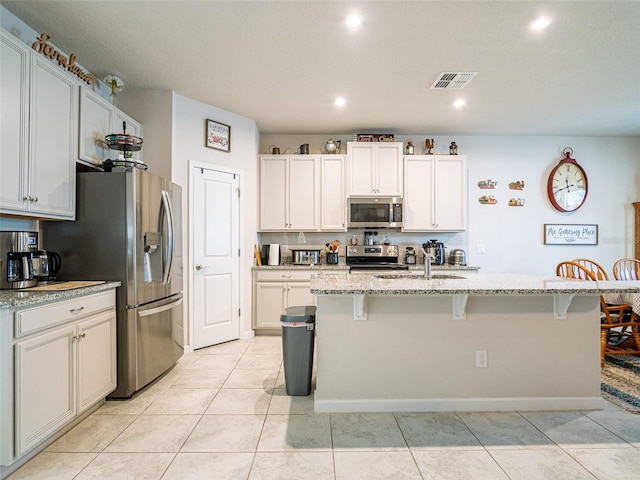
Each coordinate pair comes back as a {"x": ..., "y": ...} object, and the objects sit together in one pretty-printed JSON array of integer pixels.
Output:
[{"x": 128, "y": 228}]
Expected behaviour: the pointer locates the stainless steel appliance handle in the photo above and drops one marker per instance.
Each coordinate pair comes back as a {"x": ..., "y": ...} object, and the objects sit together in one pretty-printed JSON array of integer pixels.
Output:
[
  {"x": 166, "y": 204},
  {"x": 163, "y": 308}
]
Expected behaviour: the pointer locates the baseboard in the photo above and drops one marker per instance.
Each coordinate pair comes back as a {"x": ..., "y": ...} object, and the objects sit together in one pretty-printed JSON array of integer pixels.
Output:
[{"x": 459, "y": 404}]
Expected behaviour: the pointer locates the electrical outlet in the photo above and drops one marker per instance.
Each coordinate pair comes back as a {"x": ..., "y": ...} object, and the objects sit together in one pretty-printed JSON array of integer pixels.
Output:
[
  {"x": 481, "y": 359},
  {"x": 481, "y": 248}
]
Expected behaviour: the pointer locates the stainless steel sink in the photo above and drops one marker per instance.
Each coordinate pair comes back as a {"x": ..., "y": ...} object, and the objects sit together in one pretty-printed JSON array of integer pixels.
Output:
[{"x": 408, "y": 276}]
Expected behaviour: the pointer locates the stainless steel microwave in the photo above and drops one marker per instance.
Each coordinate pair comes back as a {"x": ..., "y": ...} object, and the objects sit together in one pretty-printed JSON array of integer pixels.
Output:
[{"x": 375, "y": 212}]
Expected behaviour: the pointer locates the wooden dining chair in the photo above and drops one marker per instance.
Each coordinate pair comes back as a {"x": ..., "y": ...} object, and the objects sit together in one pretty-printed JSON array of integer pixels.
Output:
[
  {"x": 617, "y": 322},
  {"x": 627, "y": 269},
  {"x": 596, "y": 270}
]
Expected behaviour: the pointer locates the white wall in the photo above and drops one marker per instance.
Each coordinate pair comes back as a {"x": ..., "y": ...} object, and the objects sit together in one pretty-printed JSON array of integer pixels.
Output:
[
  {"x": 513, "y": 236},
  {"x": 188, "y": 119}
]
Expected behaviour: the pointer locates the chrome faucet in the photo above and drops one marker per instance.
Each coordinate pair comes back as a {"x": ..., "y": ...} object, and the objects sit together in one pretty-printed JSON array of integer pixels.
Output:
[{"x": 427, "y": 264}]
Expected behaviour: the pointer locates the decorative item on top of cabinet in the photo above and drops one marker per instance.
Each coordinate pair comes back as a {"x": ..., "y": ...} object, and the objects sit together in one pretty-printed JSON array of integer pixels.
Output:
[
  {"x": 117, "y": 85},
  {"x": 374, "y": 168},
  {"x": 39, "y": 113},
  {"x": 453, "y": 149},
  {"x": 428, "y": 146},
  {"x": 435, "y": 193},
  {"x": 332, "y": 147},
  {"x": 409, "y": 148}
]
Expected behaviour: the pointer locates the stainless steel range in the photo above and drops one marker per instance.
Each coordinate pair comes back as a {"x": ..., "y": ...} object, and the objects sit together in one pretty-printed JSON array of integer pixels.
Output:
[{"x": 373, "y": 258}]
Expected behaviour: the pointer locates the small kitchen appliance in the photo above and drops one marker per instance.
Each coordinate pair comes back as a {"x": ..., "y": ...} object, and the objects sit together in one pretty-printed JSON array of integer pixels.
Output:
[
  {"x": 305, "y": 257},
  {"x": 16, "y": 267},
  {"x": 274, "y": 254},
  {"x": 436, "y": 250},
  {"x": 45, "y": 265},
  {"x": 410, "y": 256},
  {"x": 375, "y": 212},
  {"x": 458, "y": 257}
]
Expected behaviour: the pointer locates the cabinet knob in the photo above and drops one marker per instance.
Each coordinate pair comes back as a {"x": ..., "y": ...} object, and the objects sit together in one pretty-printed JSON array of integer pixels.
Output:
[
  {"x": 76, "y": 310},
  {"x": 286, "y": 276},
  {"x": 200, "y": 267},
  {"x": 35, "y": 199}
]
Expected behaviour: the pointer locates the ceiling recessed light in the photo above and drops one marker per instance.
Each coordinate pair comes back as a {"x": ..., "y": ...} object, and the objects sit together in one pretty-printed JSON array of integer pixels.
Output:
[
  {"x": 459, "y": 103},
  {"x": 354, "y": 20},
  {"x": 540, "y": 23},
  {"x": 340, "y": 102}
]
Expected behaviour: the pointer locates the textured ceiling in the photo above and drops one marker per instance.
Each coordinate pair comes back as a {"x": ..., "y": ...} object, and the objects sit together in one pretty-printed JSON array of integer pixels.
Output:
[{"x": 283, "y": 62}]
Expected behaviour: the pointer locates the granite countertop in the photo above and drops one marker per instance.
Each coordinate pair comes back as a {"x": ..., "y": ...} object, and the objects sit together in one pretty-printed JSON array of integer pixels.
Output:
[
  {"x": 345, "y": 267},
  {"x": 25, "y": 298},
  {"x": 476, "y": 284}
]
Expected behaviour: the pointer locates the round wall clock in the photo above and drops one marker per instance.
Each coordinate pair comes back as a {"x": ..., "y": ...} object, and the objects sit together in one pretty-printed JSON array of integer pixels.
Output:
[{"x": 568, "y": 185}]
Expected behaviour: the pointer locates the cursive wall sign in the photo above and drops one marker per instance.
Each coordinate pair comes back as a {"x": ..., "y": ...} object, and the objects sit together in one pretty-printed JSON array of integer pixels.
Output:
[
  {"x": 570, "y": 234},
  {"x": 69, "y": 64}
]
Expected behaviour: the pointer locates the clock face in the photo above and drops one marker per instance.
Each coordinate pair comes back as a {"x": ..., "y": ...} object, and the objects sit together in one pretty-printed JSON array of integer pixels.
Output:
[{"x": 567, "y": 186}]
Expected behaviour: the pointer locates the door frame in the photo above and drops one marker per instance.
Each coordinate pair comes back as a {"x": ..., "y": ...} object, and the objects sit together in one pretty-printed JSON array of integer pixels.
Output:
[{"x": 193, "y": 165}]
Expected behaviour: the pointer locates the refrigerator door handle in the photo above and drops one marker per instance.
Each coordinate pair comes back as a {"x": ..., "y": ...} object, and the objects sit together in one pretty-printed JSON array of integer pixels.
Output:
[
  {"x": 166, "y": 204},
  {"x": 153, "y": 311}
]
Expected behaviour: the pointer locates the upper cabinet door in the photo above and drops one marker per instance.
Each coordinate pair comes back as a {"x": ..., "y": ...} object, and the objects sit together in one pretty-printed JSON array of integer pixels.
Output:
[
  {"x": 274, "y": 197},
  {"x": 14, "y": 121},
  {"x": 362, "y": 168},
  {"x": 304, "y": 192},
  {"x": 53, "y": 139},
  {"x": 389, "y": 169},
  {"x": 375, "y": 169},
  {"x": 333, "y": 206},
  {"x": 97, "y": 118},
  {"x": 435, "y": 193},
  {"x": 450, "y": 193}
]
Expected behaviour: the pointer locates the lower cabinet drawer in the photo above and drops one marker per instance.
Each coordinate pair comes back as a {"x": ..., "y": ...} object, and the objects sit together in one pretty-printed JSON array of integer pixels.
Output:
[{"x": 36, "y": 319}]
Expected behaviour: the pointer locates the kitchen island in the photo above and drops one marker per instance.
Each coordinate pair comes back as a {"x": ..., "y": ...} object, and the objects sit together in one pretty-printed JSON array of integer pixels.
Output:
[{"x": 482, "y": 342}]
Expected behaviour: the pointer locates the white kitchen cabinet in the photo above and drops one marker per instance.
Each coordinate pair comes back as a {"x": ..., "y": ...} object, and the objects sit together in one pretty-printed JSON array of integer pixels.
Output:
[
  {"x": 63, "y": 362},
  {"x": 435, "y": 193},
  {"x": 374, "y": 169},
  {"x": 40, "y": 177},
  {"x": 289, "y": 192},
  {"x": 14, "y": 121},
  {"x": 333, "y": 196},
  {"x": 99, "y": 118},
  {"x": 275, "y": 290}
]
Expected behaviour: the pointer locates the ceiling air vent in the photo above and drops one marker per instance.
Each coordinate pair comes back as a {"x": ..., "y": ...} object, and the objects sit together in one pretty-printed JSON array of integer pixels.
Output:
[{"x": 453, "y": 80}]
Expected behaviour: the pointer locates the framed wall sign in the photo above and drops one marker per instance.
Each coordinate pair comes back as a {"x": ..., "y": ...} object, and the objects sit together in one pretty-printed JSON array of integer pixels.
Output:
[
  {"x": 560, "y": 234},
  {"x": 217, "y": 135}
]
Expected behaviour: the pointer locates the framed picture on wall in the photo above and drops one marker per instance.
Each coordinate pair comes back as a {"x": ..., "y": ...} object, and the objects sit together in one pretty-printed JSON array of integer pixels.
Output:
[{"x": 217, "y": 135}]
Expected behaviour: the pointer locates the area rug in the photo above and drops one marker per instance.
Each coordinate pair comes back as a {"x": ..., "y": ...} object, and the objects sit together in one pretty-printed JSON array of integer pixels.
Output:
[{"x": 620, "y": 381}]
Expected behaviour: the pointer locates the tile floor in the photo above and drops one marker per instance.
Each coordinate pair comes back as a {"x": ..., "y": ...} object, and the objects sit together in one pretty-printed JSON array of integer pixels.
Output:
[{"x": 223, "y": 413}]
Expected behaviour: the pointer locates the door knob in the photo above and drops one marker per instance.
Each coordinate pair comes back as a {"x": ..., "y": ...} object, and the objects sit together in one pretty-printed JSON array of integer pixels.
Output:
[{"x": 199, "y": 267}]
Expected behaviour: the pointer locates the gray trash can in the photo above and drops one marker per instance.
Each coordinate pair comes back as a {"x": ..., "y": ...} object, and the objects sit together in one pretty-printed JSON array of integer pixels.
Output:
[{"x": 298, "y": 328}]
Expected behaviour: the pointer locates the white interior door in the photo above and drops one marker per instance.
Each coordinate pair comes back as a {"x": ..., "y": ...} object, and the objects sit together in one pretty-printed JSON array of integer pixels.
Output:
[{"x": 216, "y": 262}]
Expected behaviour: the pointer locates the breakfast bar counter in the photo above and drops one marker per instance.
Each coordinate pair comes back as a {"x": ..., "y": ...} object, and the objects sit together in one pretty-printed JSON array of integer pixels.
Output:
[{"x": 482, "y": 342}]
